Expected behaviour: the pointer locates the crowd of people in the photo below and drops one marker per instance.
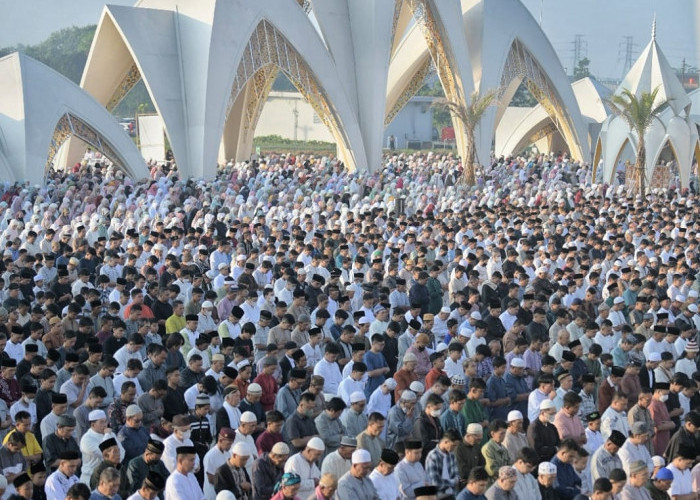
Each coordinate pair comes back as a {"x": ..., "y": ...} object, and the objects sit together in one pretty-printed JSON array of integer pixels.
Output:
[{"x": 291, "y": 330}]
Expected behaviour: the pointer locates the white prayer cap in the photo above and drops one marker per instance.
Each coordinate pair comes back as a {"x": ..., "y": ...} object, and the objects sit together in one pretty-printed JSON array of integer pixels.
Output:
[
  {"x": 316, "y": 443},
  {"x": 95, "y": 415},
  {"x": 417, "y": 387},
  {"x": 361, "y": 457},
  {"x": 357, "y": 396},
  {"x": 547, "y": 404},
  {"x": 241, "y": 449},
  {"x": 514, "y": 415},
  {"x": 475, "y": 429},
  {"x": 547, "y": 468},
  {"x": 248, "y": 417},
  {"x": 280, "y": 448}
]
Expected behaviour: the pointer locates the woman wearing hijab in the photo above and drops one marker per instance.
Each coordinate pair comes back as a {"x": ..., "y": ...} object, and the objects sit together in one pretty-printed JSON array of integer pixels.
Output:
[{"x": 287, "y": 487}]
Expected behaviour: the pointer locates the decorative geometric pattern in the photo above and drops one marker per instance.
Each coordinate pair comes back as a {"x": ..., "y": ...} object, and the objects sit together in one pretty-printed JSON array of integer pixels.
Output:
[
  {"x": 437, "y": 48},
  {"x": 414, "y": 85},
  {"x": 521, "y": 65},
  {"x": 259, "y": 90},
  {"x": 443, "y": 60},
  {"x": 268, "y": 47},
  {"x": 132, "y": 77},
  {"x": 70, "y": 125},
  {"x": 305, "y": 5}
]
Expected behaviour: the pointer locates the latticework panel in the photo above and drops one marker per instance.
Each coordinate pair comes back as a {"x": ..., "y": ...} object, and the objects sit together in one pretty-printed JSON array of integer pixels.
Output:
[
  {"x": 268, "y": 48},
  {"x": 418, "y": 80},
  {"x": 61, "y": 134},
  {"x": 305, "y": 5},
  {"x": 437, "y": 48},
  {"x": 521, "y": 65},
  {"x": 69, "y": 125},
  {"x": 132, "y": 77},
  {"x": 255, "y": 100}
]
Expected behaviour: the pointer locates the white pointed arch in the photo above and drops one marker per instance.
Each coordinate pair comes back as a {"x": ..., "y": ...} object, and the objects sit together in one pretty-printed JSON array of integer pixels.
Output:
[
  {"x": 132, "y": 44},
  {"x": 520, "y": 51},
  {"x": 40, "y": 109},
  {"x": 499, "y": 36},
  {"x": 240, "y": 53}
]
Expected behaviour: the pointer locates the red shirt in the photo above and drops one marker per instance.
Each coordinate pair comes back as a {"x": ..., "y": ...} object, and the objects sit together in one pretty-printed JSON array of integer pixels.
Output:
[
  {"x": 659, "y": 414},
  {"x": 432, "y": 376},
  {"x": 267, "y": 440},
  {"x": 269, "y": 390}
]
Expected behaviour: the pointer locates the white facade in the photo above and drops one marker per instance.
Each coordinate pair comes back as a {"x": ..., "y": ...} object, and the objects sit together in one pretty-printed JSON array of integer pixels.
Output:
[
  {"x": 40, "y": 109},
  {"x": 676, "y": 125},
  {"x": 358, "y": 63}
]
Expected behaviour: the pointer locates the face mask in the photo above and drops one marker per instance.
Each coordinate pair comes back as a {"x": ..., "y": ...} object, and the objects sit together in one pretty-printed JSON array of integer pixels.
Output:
[
  {"x": 664, "y": 398},
  {"x": 309, "y": 413},
  {"x": 551, "y": 419},
  {"x": 435, "y": 413},
  {"x": 186, "y": 435},
  {"x": 421, "y": 348}
]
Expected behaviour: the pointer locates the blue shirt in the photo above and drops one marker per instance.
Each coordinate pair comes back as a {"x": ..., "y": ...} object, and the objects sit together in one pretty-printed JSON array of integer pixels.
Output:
[
  {"x": 465, "y": 495},
  {"x": 133, "y": 441},
  {"x": 496, "y": 389},
  {"x": 374, "y": 360},
  {"x": 96, "y": 495},
  {"x": 514, "y": 387},
  {"x": 568, "y": 484}
]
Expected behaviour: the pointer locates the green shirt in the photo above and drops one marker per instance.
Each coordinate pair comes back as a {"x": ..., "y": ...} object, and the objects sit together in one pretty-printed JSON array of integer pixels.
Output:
[
  {"x": 475, "y": 413},
  {"x": 496, "y": 456}
]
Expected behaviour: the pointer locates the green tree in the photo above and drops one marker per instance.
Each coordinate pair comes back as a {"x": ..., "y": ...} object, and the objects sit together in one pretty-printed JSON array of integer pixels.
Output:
[
  {"x": 470, "y": 115},
  {"x": 523, "y": 98},
  {"x": 639, "y": 112},
  {"x": 581, "y": 70},
  {"x": 65, "y": 50}
]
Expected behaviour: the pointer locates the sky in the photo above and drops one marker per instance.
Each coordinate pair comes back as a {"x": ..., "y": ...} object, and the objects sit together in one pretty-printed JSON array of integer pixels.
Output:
[{"x": 603, "y": 24}]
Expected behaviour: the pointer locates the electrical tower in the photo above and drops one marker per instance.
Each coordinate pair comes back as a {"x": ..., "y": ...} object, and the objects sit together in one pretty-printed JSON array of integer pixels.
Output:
[
  {"x": 628, "y": 52},
  {"x": 580, "y": 51}
]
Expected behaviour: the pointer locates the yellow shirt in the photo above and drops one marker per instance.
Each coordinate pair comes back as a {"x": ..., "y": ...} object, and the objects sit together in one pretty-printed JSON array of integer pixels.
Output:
[
  {"x": 174, "y": 324},
  {"x": 31, "y": 447}
]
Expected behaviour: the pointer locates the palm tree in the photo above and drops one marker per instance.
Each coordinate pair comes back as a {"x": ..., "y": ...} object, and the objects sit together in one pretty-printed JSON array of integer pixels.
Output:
[
  {"x": 470, "y": 116},
  {"x": 639, "y": 112}
]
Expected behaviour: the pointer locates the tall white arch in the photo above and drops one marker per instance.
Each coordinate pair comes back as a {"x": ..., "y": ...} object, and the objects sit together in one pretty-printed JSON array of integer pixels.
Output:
[
  {"x": 232, "y": 64},
  {"x": 40, "y": 109},
  {"x": 507, "y": 45}
]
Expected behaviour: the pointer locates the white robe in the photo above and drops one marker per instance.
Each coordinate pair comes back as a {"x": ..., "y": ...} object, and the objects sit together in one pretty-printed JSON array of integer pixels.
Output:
[
  {"x": 214, "y": 459},
  {"x": 181, "y": 487},
  {"x": 307, "y": 471},
  {"x": 92, "y": 456},
  {"x": 172, "y": 443},
  {"x": 387, "y": 486}
]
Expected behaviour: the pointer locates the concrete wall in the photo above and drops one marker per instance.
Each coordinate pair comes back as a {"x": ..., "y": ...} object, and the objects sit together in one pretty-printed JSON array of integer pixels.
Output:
[
  {"x": 413, "y": 122},
  {"x": 288, "y": 115}
]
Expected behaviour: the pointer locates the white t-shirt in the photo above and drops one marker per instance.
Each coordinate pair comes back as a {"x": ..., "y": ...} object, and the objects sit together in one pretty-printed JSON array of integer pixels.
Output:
[{"x": 682, "y": 484}]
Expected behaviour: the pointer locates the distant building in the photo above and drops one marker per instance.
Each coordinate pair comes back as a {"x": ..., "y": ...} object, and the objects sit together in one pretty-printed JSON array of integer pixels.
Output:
[{"x": 290, "y": 116}]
